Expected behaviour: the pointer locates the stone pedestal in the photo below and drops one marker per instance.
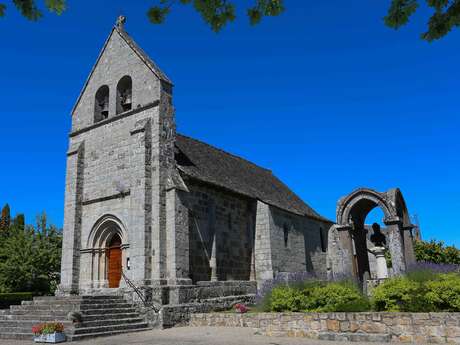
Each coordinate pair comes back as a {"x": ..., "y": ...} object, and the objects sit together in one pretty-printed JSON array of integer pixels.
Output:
[{"x": 381, "y": 263}]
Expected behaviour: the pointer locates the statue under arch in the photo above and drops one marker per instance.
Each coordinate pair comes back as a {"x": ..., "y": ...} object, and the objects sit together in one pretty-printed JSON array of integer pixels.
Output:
[{"x": 350, "y": 250}]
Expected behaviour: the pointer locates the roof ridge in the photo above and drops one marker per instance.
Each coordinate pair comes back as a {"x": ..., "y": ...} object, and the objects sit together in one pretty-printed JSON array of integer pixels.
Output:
[
  {"x": 142, "y": 54},
  {"x": 135, "y": 48},
  {"x": 227, "y": 153}
]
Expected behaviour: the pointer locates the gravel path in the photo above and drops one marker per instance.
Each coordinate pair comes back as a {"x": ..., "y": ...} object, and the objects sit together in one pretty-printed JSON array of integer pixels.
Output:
[{"x": 195, "y": 336}]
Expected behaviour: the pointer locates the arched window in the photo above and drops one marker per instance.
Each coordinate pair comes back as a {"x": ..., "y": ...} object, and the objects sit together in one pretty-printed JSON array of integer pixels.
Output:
[
  {"x": 124, "y": 94},
  {"x": 101, "y": 104}
]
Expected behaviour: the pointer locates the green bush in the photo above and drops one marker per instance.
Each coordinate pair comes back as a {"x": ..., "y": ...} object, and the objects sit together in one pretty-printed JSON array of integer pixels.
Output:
[
  {"x": 443, "y": 294},
  {"x": 15, "y": 298},
  {"x": 422, "y": 291},
  {"x": 397, "y": 294},
  {"x": 318, "y": 297}
]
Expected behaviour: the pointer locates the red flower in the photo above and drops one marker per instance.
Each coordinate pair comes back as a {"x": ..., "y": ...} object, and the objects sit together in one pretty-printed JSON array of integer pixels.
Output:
[
  {"x": 241, "y": 308},
  {"x": 48, "y": 328}
]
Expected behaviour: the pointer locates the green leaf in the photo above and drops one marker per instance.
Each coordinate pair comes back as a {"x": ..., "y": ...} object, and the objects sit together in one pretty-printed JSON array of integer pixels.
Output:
[
  {"x": 400, "y": 12},
  {"x": 2, "y": 10},
  {"x": 56, "y": 6},
  {"x": 28, "y": 9},
  {"x": 157, "y": 14}
]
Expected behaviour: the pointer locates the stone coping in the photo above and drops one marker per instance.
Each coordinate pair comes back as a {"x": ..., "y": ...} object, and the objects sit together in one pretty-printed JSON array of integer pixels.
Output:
[{"x": 369, "y": 326}]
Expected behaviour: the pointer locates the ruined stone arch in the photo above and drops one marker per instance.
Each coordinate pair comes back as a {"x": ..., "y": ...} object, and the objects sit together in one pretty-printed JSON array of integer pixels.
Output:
[
  {"x": 348, "y": 243},
  {"x": 366, "y": 199}
]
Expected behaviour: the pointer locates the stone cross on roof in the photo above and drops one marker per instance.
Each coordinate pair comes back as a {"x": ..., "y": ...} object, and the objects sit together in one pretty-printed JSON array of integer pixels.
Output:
[{"x": 121, "y": 20}]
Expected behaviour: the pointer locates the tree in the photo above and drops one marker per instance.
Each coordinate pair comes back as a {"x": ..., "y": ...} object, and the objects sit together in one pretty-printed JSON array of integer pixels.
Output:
[
  {"x": 5, "y": 219},
  {"x": 218, "y": 13},
  {"x": 446, "y": 16},
  {"x": 436, "y": 252},
  {"x": 30, "y": 258},
  {"x": 19, "y": 222}
]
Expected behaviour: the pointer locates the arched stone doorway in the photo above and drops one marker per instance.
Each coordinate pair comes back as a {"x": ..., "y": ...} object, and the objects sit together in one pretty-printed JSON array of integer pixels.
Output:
[
  {"x": 106, "y": 254},
  {"x": 348, "y": 242}
]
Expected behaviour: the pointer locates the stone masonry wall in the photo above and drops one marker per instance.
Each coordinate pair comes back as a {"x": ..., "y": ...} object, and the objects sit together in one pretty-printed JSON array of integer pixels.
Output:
[
  {"x": 116, "y": 61},
  {"x": 375, "y": 327},
  {"x": 230, "y": 218},
  {"x": 304, "y": 248}
]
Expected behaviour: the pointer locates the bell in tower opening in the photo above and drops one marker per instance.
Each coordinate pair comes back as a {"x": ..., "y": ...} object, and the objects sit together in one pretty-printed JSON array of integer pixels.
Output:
[{"x": 124, "y": 94}]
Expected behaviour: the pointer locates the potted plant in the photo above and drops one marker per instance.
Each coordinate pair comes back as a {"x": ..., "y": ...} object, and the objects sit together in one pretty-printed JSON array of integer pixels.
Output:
[{"x": 49, "y": 332}]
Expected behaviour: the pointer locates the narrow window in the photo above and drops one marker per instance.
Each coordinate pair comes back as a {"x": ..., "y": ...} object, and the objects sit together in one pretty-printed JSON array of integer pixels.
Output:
[
  {"x": 323, "y": 240},
  {"x": 286, "y": 235},
  {"x": 124, "y": 94},
  {"x": 101, "y": 104}
]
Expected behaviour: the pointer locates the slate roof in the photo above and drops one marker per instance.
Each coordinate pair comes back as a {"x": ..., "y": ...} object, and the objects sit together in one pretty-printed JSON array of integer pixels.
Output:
[{"x": 206, "y": 163}]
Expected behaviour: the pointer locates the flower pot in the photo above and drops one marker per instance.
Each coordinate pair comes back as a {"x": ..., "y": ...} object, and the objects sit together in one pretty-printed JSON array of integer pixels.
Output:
[{"x": 56, "y": 337}]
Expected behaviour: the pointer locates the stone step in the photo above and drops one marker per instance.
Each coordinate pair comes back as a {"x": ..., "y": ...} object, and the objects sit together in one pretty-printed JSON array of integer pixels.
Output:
[
  {"x": 24, "y": 329},
  {"x": 29, "y": 323},
  {"x": 58, "y": 314},
  {"x": 26, "y": 317},
  {"x": 95, "y": 317},
  {"x": 108, "y": 311},
  {"x": 34, "y": 307},
  {"x": 101, "y": 316},
  {"x": 17, "y": 336},
  {"x": 79, "y": 298},
  {"x": 105, "y": 334},
  {"x": 108, "y": 322},
  {"x": 110, "y": 328},
  {"x": 120, "y": 305}
]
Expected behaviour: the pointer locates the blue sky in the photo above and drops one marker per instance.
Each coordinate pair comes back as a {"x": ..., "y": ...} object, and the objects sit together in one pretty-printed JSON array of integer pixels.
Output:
[{"x": 325, "y": 95}]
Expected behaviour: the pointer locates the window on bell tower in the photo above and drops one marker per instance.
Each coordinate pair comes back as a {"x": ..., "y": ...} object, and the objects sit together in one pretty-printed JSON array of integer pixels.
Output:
[
  {"x": 124, "y": 94},
  {"x": 101, "y": 104}
]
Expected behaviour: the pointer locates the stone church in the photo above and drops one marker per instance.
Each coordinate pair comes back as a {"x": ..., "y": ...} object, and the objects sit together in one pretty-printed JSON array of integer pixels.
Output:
[
  {"x": 149, "y": 209},
  {"x": 150, "y": 206}
]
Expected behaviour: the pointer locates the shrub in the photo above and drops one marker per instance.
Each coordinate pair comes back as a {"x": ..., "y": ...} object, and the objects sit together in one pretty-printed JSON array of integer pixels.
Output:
[
  {"x": 397, "y": 294},
  {"x": 7, "y": 299},
  {"x": 318, "y": 297},
  {"x": 281, "y": 279},
  {"x": 443, "y": 294},
  {"x": 419, "y": 291}
]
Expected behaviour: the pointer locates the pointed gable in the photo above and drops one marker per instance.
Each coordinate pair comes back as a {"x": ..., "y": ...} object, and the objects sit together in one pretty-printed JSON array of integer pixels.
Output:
[{"x": 119, "y": 57}]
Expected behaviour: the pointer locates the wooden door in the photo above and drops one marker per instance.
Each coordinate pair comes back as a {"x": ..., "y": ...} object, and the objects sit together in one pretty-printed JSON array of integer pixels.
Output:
[{"x": 114, "y": 258}]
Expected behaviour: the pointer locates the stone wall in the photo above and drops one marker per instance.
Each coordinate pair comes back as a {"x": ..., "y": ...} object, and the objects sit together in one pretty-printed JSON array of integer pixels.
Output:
[
  {"x": 117, "y": 61},
  {"x": 303, "y": 250},
  {"x": 376, "y": 327},
  {"x": 227, "y": 217}
]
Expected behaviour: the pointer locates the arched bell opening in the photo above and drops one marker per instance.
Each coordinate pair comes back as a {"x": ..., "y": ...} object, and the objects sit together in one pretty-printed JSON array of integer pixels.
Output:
[
  {"x": 124, "y": 94},
  {"x": 101, "y": 104}
]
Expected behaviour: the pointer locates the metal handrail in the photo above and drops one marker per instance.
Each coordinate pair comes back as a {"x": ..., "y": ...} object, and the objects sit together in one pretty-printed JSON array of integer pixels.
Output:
[{"x": 138, "y": 292}]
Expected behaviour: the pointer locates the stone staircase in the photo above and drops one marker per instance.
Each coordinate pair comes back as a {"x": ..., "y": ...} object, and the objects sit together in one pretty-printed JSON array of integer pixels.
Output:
[{"x": 101, "y": 316}]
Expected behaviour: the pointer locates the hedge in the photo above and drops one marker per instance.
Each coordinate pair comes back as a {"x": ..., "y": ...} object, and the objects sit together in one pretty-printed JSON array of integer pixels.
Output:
[
  {"x": 317, "y": 297},
  {"x": 15, "y": 298}
]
